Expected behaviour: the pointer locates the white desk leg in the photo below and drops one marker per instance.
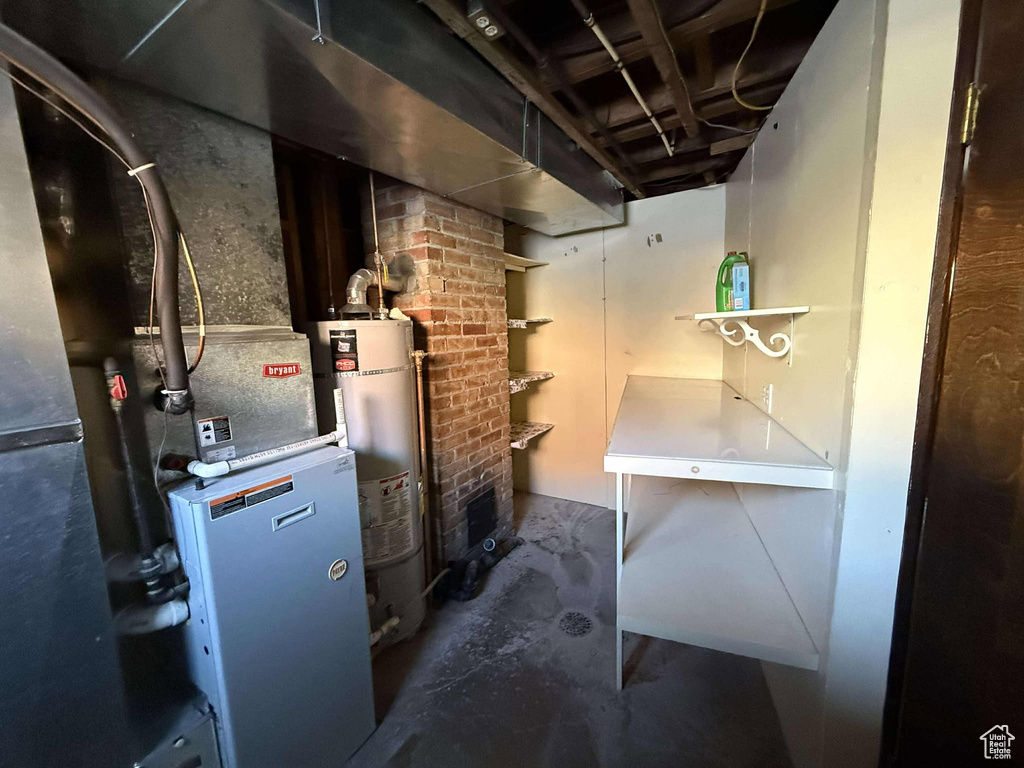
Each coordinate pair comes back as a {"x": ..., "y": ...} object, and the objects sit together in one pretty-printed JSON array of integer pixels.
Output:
[{"x": 619, "y": 526}]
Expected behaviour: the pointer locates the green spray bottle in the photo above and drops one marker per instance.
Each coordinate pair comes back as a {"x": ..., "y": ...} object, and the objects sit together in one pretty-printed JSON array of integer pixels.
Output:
[{"x": 723, "y": 286}]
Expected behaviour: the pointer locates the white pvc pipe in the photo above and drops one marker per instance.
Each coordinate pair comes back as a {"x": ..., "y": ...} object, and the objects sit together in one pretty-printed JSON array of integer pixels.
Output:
[
  {"x": 619, "y": 65},
  {"x": 143, "y": 619},
  {"x": 218, "y": 468},
  {"x": 394, "y": 621},
  {"x": 384, "y": 628}
]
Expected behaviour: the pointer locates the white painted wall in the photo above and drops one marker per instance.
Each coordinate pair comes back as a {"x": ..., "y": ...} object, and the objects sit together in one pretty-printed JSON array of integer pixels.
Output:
[
  {"x": 917, "y": 80},
  {"x": 828, "y": 225},
  {"x": 567, "y": 461},
  {"x": 613, "y": 294},
  {"x": 648, "y": 283},
  {"x": 797, "y": 204},
  {"x": 801, "y": 218}
]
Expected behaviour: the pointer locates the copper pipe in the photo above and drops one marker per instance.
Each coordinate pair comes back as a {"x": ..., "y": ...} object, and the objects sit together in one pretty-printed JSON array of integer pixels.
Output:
[
  {"x": 428, "y": 549},
  {"x": 378, "y": 259}
]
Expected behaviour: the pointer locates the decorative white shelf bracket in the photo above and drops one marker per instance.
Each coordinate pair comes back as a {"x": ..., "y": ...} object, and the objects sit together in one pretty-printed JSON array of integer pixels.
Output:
[
  {"x": 740, "y": 332},
  {"x": 752, "y": 335}
]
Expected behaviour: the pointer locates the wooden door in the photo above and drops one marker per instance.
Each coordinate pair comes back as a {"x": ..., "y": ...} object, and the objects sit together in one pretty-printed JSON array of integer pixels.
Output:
[{"x": 958, "y": 659}]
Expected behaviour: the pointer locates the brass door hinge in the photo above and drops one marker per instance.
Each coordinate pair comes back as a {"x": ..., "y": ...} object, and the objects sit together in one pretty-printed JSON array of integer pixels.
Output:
[{"x": 970, "y": 121}]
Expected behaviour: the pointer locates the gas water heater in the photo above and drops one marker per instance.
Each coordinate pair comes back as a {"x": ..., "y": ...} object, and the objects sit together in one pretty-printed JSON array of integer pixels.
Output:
[{"x": 364, "y": 380}]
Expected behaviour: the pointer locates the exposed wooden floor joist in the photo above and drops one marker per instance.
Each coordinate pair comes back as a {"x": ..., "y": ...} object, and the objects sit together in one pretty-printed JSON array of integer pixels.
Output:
[{"x": 682, "y": 57}]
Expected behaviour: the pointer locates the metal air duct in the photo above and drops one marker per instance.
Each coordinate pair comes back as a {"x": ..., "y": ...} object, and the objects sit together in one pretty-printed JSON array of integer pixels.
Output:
[
  {"x": 61, "y": 698},
  {"x": 380, "y": 82}
]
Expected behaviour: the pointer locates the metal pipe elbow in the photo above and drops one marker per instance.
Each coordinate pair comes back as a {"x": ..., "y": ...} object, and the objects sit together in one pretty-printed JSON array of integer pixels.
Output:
[{"x": 355, "y": 292}]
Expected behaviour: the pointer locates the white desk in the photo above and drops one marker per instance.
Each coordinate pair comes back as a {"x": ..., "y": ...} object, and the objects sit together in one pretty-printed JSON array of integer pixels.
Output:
[{"x": 691, "y": 567}]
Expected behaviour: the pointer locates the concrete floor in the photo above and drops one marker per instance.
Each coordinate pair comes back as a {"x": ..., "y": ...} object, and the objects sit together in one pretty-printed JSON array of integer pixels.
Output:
[{"x": 495, "y": 682}]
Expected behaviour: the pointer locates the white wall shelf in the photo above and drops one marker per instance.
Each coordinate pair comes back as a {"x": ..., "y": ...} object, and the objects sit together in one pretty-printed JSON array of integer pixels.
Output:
[
  {"x": 524, "y": 431},
  {"x": 695, "y": 571},
  {"x": 779, "y": 344},
  {"x": 745, "y": 313},
  {"x": 526, "y": 323},
  {"x": 521, "y": 380},
  {"x": 515, "y": 263}
]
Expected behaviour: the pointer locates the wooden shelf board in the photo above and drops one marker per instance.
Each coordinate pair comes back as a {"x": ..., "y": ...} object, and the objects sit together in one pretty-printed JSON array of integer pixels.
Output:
[
  {"x": 703, "y": 430},
  {"x": 521, "y": 263},
  {"x": 524, "y": 431},
  {"x": 695, "y": 571}
]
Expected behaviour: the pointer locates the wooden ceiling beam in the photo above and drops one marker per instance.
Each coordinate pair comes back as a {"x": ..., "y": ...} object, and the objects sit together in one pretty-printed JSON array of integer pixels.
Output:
[
  {"x": 648, "y": 20},
  {"x": 724, "y": 106},
  {"x": 617, "y": 23},
  {"x": 692, "y": 182},
  {"x": 705, "y": 141},
  {"x": 731, "y": 144},
  {"x": 453, "y": 14},
  {"x": 672, "y": 170},
  {"x": 720, "y": 16},
  {"x": 638, "y": 131},
  {"x": 703, "y": 63},
  {"x": 625, "y": 110}
]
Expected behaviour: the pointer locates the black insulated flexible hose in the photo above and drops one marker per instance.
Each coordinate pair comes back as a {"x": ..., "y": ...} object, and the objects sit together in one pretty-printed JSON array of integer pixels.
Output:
[{"x": 27, "y": 56}]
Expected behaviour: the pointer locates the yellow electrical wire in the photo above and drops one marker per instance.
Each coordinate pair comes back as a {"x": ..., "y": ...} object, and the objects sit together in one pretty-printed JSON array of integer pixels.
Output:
[
  {"x": 736, "y": 69},
  {"x": 199, "y": 302}
]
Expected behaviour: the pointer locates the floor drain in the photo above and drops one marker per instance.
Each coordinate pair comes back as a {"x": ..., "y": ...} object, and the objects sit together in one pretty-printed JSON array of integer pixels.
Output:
[{"x": 575, "y": 624}]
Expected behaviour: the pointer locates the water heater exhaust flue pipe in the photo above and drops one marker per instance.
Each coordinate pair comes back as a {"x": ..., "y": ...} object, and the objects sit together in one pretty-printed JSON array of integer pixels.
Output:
[{"x": 355, "y": 293}]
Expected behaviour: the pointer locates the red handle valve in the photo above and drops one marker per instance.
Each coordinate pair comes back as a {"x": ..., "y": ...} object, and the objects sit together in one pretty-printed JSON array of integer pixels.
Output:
[{"x": 119, "y": 390}]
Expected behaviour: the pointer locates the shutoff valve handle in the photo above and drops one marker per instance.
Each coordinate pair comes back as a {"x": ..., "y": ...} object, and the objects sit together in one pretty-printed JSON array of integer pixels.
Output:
[{"x": 118, "y": 389}]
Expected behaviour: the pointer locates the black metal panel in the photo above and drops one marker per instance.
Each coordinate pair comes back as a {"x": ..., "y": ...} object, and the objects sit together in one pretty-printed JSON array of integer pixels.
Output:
[
  {"x": 35, "y": 388},
  {"x": 61, "y": 701},
  {"x": 481, "y": 517}
]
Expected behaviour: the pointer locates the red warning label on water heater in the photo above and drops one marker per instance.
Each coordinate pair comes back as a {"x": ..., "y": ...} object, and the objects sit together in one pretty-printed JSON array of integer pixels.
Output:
[
  {"x": 345, "y": 350},
  {"x": 281, "y": 370}
]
